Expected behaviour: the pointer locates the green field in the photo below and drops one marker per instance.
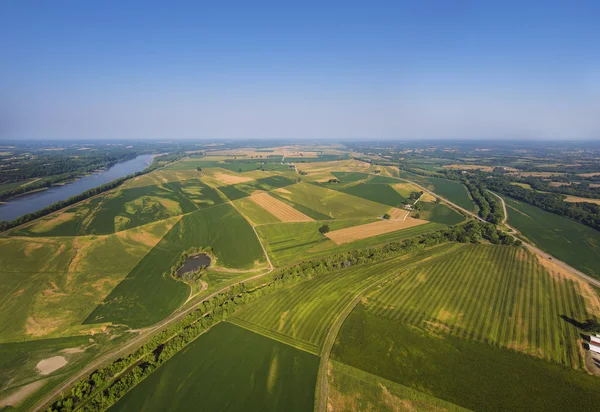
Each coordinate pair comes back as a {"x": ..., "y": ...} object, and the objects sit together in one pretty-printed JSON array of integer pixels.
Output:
[
  {"x": 453, "y": 191},
  {"x": 376, "y": 192},
  {"x": 332, "y": 203},
  {"x": 439, "y": 213},
  {"x": 288, "y": 243},
  {"x": 241, "y": 190},
  {"x": 570, "y": 241},
  {"x": 352, "y": 389},
  {"x": 148, "y": 293},
  {"x": 471, "y": 374},
  {"x": 256, "y": 214},
  {"x": 496, "y": 295},
  {"x": 239, "y": 166},
  {"x": 229, "y": 368},
  {"x": 300, "y": 314}
]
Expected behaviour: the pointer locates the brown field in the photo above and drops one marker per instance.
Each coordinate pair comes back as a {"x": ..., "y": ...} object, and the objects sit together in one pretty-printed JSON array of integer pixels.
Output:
[
  {"x": 398, "y": 214},
  {"x": 231, "y": 179},
  {"x": 279, "y": 209},
  {"x": 589, "y": 174},
  {"x": 469, "y": 167},
  {"x": 576, "y": 199},
  {"x": 372, "y": 229}
]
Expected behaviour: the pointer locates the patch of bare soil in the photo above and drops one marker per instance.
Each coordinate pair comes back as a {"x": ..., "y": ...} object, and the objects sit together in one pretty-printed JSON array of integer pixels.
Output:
[
  {"x": 49, "y": 365},
  {"x": 231, "y": 179},
  {"x": 18, "y": 396}
]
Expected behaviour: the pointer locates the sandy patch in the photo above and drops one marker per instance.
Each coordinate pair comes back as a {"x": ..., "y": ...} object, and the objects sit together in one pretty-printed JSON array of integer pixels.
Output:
[
  {"x": 22, "y": 393},
  {"x": 381, "y": 227},
  {"x": 231, "y": 179},
  {"x": 49, "y": 365},
  {"x": 279, "y": 209}
]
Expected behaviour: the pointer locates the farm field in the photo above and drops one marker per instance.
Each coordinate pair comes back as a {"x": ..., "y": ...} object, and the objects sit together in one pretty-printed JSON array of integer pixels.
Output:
[
  {"x": 300, "y": 314},
  {"x": 368, "y": 230},
  {"x": 277, "y": 208},
  {"x": 288, "y": 243},
  {"x": 467, "y": 373},
  {"x": 229, "y": 368},
  {"x": 453, "y": 191},
  {"x": 255, "y": 214},
  {"x": 569, "y": 241},
  {"x": 577, "y": 199},
  {"x": 332, "y": 203},
  {"x": 241, "y": 190},
  {"x": 352, "y": 389},
  {"x": 49, "y": 285},
  {"x": 148, "y": 293},
  {"x": 498, "y": 295}
]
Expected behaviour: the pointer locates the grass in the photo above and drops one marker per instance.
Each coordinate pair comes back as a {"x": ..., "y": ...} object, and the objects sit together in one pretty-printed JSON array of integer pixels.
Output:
[
  {"x": 376, "y": 192},
  {"x": 287, "y": 243},
  {"x": 453, "y": 191},
  {"x": 241, "y": 190},
  {"x": 471, "y": 374},
  {"x": 253, "y": 212},
  {"x": 48, "y": 286},
  {"x": 300, "y": 314},
  {"x": 352, "y": 389},
  {"x": 148, "y": 294},
  {"x": 439, "y": 213},
  {"x": 497, "y": 295},
  {"x": 229, "y": 368},
  {"x": 350, "y": 177},
  {"x": 332, "y": 203},
  {"x": 570, "y": 241}
]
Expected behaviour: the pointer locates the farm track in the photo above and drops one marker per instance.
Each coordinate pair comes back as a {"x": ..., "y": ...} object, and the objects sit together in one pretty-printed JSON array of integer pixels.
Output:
[{"x": 528, "y": 245}]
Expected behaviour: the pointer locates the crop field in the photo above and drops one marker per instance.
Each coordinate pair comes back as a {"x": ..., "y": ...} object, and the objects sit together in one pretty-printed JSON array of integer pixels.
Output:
[
  {"x": 569, "y": 241},
  {"x": 148, "y": 293},
  {"x": 277, "y": 208},
  {"x": 332, "y": 203},
  {"x": 467, "y": 373},
  {"x": 352, "y": 389},
  {"x": 48, "y": 286},
  {"x": 376, "y": 192},
  {"x": 497, "y": 295},
  {"x": 453, "y": 191},
  {"x": 367, "y": 230},
  {"x": 439, "y": 213},
  {"x": 323, "y": 171},
  {"x": 300, "y": 314},
  {"x": 229, "y": 368},
  {"x": 255, "y": 214},
  {"x": 241, "y": 190},
  {"x": 288, "y": 243}
]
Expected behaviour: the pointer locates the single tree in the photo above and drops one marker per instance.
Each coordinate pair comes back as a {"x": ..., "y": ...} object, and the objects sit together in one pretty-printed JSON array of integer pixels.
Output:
[
  {"x": 387, "y": 216},
  {"x": 324, "y": 229}
]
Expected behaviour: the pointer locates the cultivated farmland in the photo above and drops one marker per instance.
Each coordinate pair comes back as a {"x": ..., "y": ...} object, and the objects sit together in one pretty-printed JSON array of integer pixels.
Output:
[
  {"x": 229, "y": 368},
  {"x": 279, "y": 209},
  {"x": 380, "y": 227}
]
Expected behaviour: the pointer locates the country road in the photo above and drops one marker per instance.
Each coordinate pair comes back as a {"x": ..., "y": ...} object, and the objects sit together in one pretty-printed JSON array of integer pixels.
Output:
[{"x": 528, "y": 245}]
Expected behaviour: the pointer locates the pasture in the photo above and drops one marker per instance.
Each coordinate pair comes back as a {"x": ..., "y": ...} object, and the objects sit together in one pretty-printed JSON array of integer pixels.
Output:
[
  {"x": 148, "y": 293},
  {"x": 467, "y": 373},
  {"x": 229, "y": 368},
  {"x": 300, "y": 314},
  {"x": 497, "y": 295},
  {"x": 576, "y": 244}
]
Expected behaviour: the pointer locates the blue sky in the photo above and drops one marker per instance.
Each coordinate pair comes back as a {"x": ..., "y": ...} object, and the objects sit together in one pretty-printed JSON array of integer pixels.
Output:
[{"x": 370, "y": 69}]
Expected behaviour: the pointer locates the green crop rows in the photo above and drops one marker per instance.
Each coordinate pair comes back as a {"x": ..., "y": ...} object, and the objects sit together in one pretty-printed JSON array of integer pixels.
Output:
[{"x": 496, "y": 295}]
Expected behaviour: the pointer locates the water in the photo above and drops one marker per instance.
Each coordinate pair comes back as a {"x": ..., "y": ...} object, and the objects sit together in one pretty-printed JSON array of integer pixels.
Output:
[
  {"x": 194, "y": 263},
  {"x": 29, "y": 203}
]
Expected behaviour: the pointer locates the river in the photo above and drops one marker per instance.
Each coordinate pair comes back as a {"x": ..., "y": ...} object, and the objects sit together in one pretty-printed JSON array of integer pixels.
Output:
[{"x": 32, "y": 202}]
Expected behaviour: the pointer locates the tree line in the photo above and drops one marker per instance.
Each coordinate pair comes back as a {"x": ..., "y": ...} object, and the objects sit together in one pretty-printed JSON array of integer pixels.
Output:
[{"x": 106, "y": 385}]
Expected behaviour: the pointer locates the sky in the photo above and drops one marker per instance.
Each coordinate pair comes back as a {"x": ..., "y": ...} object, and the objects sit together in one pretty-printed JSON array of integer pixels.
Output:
[{"x": 419, "y": 69}]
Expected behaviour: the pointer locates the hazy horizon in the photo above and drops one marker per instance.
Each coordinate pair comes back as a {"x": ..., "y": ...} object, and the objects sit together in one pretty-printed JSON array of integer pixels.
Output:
[{"x": 339, "y": 71}]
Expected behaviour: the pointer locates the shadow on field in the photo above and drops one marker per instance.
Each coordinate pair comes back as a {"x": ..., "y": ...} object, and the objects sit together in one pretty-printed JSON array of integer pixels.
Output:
[{"x": 574, "y": 322}]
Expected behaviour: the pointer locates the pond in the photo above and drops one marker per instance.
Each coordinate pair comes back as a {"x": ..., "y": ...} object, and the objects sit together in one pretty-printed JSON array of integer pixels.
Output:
[{"x": 193, "y": 263}]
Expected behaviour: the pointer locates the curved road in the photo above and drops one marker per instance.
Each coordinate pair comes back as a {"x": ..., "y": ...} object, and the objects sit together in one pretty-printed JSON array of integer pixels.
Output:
[{"x": 528, "y": 245}]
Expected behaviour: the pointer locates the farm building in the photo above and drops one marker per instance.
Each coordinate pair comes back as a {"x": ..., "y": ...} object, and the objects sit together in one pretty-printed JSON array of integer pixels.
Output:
[
  {"x": 594, "y": 347},
  {"x": 595, "y": 340}
]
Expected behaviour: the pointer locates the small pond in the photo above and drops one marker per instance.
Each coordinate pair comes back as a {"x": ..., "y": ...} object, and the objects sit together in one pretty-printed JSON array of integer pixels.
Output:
[{"x": 193, "y": 263}]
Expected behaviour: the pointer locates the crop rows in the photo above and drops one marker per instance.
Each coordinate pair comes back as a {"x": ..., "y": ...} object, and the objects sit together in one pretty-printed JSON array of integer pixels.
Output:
[
  {"x": 303, "y": 312},
  {"x": 497, "y": 295}
]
